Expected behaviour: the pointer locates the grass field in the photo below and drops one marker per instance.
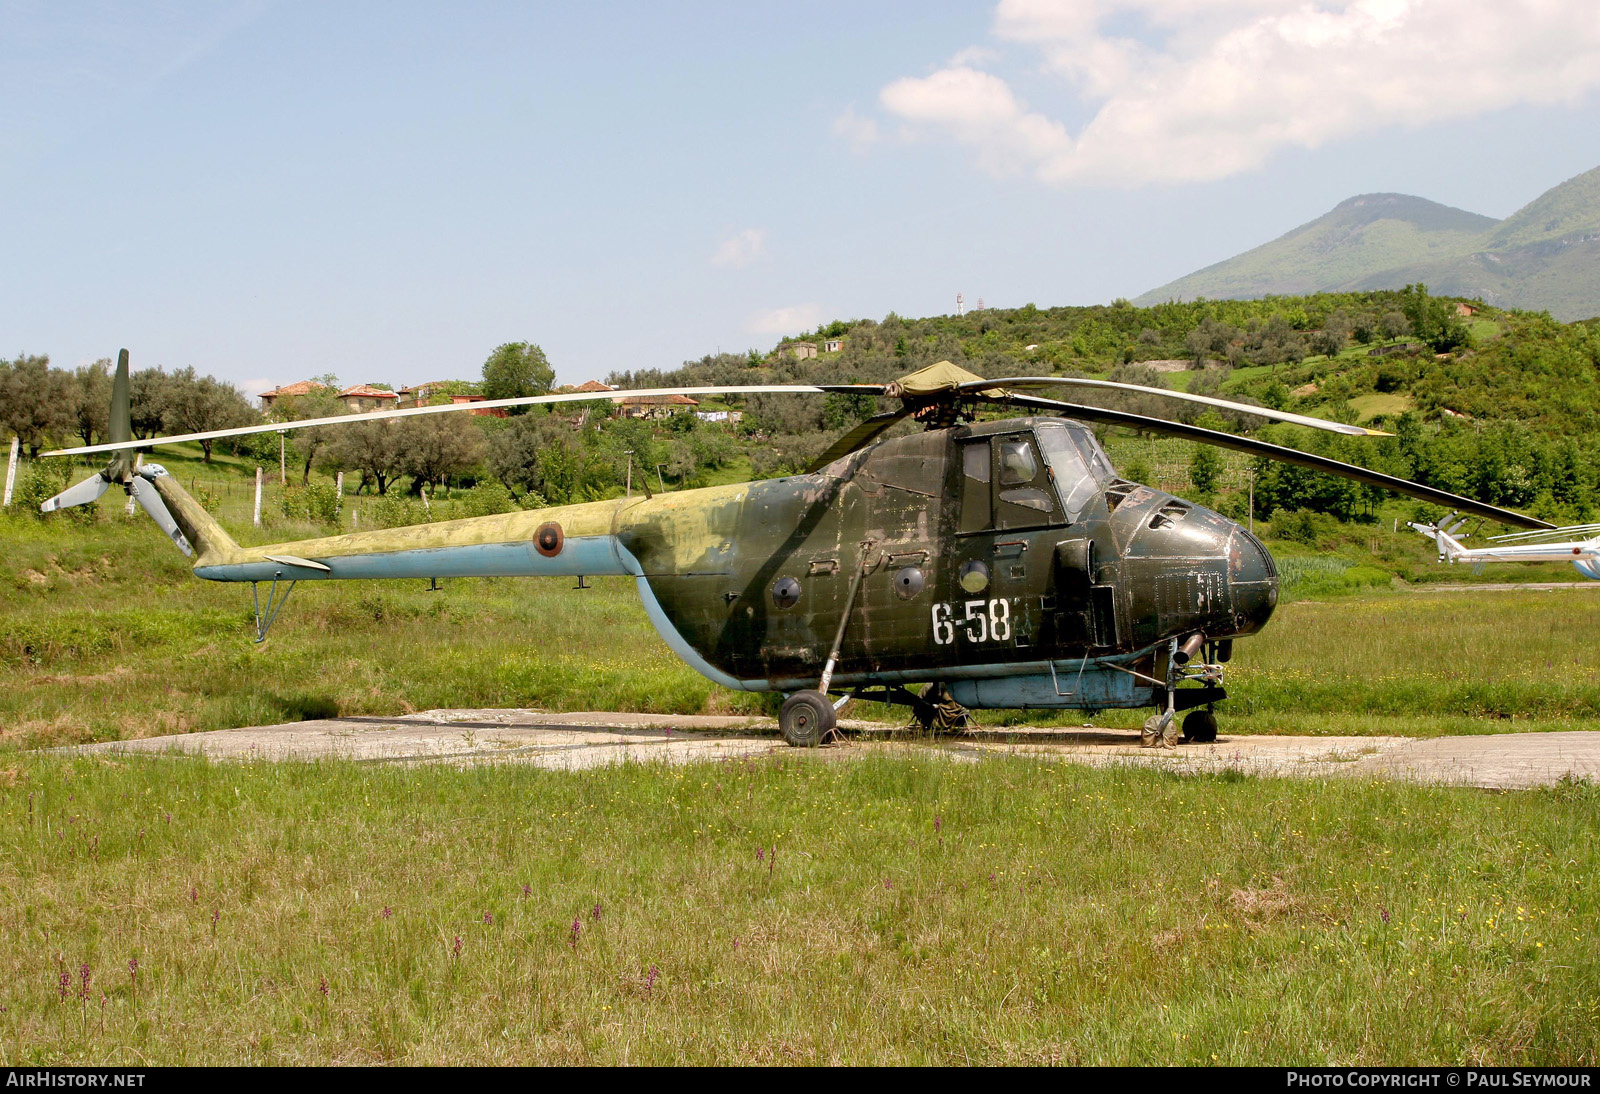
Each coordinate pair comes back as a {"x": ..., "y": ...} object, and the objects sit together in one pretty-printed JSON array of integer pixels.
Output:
[
  {"x": 896, "y": 909},
  {"x": 106, "y": 635}
]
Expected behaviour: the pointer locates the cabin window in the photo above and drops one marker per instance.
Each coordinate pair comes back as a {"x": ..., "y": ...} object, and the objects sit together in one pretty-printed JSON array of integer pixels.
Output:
[
  {"x": 976, "y": 514},
  {"x": 1023, "y": 496}
]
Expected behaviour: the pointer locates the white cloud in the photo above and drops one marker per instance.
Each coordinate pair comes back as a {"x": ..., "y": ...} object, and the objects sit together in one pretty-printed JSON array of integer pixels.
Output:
[
  {"x": 1184, "y": 90},
  {"x": 256, "y": 385},
  {"x": 859, "y": 132},
  {"x": 790, "y": 320},
  {"x": 741, "y": 248}
]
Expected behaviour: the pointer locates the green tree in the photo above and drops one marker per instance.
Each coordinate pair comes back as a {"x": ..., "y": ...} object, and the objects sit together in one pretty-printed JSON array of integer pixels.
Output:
[
  {"x": 197, "y": 404},
  {"x": 1205, "y": 469},
  {"x": 517, "y": 370},
  {"x": 37, "y": 403}
]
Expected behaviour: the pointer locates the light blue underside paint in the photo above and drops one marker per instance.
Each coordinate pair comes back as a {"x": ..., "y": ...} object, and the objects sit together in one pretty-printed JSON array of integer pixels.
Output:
[
  {"x": 595, "y": 556},
  {"x": 1589, "y": 568}
]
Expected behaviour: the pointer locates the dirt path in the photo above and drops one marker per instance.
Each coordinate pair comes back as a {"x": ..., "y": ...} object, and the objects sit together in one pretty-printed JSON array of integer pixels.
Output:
[{"x": 587, "y": 739}]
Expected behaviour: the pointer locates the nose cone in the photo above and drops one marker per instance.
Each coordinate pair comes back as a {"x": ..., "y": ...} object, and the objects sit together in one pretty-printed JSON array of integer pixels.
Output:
[{"x": 1252, "y": 582}]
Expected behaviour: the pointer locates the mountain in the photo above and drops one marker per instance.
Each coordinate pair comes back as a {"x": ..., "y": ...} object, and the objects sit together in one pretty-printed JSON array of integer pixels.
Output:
[{"x": 1544, "y": 257}]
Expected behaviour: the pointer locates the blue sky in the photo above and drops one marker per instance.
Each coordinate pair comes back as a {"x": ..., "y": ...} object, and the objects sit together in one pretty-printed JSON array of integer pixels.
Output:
[{"x": 269, "y": 191}]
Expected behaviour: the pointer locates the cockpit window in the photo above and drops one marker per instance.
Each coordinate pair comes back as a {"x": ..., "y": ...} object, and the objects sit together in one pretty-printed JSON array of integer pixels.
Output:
[
  {"x": 1099, "y": 463},
  {"x": 1017, "y": 464},
  {"x": 1074, "y": 477}
]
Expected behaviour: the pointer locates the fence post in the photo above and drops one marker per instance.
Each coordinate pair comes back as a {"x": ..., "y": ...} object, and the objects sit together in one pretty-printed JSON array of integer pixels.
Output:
[
  {"x": 258, "y": 497},
  {"x": 11, "y": 470}
]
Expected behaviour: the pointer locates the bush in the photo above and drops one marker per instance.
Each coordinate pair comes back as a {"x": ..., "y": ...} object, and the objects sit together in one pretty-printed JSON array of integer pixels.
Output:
[
  {"x": 485, "y": 499},
  {"x": 1302, "y": 526},
  {"x": 317, "y": 503},
  {"x": 397, "y": 510}
]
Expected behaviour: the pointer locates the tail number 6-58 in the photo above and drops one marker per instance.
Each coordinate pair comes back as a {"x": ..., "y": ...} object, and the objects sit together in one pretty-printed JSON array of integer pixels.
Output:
[{"x": 980, "y": 621}]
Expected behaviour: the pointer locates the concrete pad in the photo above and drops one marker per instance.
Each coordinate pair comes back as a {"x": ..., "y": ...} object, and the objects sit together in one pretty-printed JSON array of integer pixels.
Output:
[
  {"x": 557, "y": 741},
  {"x": 571, "y": 742},
  {"x": 1503, "y": 760}
]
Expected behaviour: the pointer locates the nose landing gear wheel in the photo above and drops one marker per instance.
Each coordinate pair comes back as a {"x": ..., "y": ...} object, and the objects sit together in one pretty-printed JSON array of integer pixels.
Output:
[
  {"x": 1200, "y": 726},
  {"x": 806, "y": 719}
]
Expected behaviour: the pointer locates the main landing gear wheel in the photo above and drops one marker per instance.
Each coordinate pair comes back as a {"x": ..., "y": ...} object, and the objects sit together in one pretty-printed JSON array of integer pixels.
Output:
[
  {"x": 1200, "y": 726},
  {"x": 806, "y": 719},
  {"x": 1160, "y": 731}
]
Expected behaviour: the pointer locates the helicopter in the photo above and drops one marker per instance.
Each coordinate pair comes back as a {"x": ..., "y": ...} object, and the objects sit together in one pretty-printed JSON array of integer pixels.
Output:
[
  {"x": 1578, "y": 544},
  {"x": 995, "y": 563}
]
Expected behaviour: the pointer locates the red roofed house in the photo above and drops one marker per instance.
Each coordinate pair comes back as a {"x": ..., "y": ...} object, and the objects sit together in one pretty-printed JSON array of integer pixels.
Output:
[
  {"x": 486, "y": 412},
  {"x": 654, "y": 406},
  {"x": 304, "y": 387},
  {"x": 364, "y": 397}
]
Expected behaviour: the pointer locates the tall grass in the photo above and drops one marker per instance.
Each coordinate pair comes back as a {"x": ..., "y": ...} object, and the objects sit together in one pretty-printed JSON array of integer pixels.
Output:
[{"x": 898, "y": 909}]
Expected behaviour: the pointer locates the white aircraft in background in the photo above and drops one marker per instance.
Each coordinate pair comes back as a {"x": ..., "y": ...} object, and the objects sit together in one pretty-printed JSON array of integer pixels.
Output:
[{"x": 1584, "y": 554}]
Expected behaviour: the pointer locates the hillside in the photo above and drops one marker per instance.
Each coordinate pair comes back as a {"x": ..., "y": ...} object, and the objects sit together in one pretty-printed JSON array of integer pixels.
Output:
[
  {"x": 1544, "y": 257},
  {"x": 1359, "y": 237}
]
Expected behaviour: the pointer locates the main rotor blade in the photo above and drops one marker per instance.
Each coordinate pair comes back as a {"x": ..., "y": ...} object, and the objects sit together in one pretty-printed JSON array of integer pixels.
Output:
[
  {"x": 1282, "y": 455},
  {"x": 86, "y": 492},
  {"x": 1206, "y": 400},
  {"x": 862, "y": 435},
  {"x": 149, "y": 498},
  {"x": 486, "y": 404}
]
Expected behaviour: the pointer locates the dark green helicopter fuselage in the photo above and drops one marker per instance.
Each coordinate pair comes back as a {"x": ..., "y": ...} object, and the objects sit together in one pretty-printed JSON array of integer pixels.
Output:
[{"x": 1004, "y": 559}]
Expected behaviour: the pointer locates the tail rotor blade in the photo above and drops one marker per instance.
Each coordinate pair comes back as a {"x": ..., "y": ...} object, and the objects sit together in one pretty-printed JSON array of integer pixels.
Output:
[
  {"x": 86, "y": 492},
  {"x": 150, "y": 499}
]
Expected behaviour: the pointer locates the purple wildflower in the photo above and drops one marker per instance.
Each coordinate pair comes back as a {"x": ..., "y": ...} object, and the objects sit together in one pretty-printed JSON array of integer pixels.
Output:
[
  {"x": 83, "y": 978},
  {"x": 1383, "y": 913},
  {"x": 216, "y": 917},
  {"x": 577, "y": 929},
  {"x": 194, "y": 894},
  {"x": 322, "y": 986},
  {"x": 595, "y": 915},
  {"x": 387, "y": 912},
  {"x": 456, "y": 950},
  {"x": 64, "y": 984},
  {"x": 887, "y": 884},
  {"x": 650, "y": 981},
  {"x": 527, "y": 890},
  {"x": 938, "y": 823},
  {"x": 761, "y": 854}
]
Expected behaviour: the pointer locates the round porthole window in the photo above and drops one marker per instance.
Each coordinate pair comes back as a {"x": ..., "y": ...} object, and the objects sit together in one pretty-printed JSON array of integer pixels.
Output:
[
  {"x": 974, "y": 576},
  {"x": 908, "y": 582},
  {"x": 786, "y": 593}
]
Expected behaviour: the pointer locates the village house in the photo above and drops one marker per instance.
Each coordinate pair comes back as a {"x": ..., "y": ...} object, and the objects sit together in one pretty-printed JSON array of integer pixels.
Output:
[
  {"x": 654, "y": 406},
  {"x": 1466, "y": 311},
  {"x": 482, "y": 412},
  {"x": 833, "y": 345},
  {"x": 304, "y": 387},
  {"x": 361, "y": 398},
  {"x": 800, "y": 351}
]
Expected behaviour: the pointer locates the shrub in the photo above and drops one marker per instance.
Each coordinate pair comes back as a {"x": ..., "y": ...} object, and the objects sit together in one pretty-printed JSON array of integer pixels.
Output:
[
  {"x": 397, "y": 510},
  {"x": 317, "y": 503},
  {"x": 485, "y": 499}
]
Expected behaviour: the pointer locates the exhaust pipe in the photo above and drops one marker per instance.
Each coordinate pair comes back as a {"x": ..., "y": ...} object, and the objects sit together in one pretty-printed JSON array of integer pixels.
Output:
[{"x": 1189, "y": 648}]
